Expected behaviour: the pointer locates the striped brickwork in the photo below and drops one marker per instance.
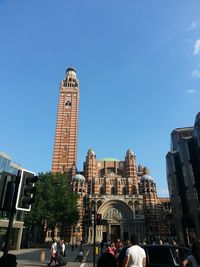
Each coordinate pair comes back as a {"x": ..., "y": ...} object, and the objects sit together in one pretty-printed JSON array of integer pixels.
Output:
[
  {"x": 90, "y": 166},
  {"x": 66, "y": 136},
  {"x": 124, "y": 193},
  {"x": 151, "y": 209},
  {"x": 131, "y": 171}
]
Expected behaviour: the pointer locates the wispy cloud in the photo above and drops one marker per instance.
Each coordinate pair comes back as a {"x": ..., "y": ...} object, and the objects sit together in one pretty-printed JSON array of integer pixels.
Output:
[
  {"x": 196, "y": 74},
  {"x": 191, "y": 91},
  {"x": 193, "y": 25},
  {"x": 197, "y": 47}
]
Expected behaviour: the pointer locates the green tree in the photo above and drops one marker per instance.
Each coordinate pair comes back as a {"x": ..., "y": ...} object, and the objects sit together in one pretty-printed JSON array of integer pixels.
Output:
[{"x": 55, "y": 204}]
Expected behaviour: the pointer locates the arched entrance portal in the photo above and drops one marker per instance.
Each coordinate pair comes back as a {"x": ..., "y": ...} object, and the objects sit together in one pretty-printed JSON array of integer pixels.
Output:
[
  {"x": 118, "y": 222},
  {"x": 117, "y": 215}
]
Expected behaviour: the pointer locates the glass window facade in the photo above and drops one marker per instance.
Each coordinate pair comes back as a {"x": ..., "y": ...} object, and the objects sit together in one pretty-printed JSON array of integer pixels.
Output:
[
  {"x": 4, "y": 163},
  {"x": 7, "y": 165}
]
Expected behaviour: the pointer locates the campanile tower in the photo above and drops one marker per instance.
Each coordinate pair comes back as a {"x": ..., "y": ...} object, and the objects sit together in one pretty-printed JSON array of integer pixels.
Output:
[{"x": 66, "y": 136}]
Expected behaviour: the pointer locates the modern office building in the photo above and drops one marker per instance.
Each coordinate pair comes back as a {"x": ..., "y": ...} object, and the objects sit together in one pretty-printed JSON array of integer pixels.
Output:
[
  {"x": 183, "y": 175},
  {"x": 121, "y": 191},
  {"x": 6, "y": 165}
]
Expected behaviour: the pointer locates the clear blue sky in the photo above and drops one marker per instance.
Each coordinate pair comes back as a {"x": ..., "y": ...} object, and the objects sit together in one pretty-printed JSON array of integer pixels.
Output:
[{"x": 138, "y": 63}]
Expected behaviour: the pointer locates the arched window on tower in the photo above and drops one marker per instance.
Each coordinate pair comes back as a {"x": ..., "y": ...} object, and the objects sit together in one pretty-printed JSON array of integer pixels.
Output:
[
  {"x": 68, "y": 103},
  {"x": 101, "y": 190},
  {"x": 80, "y": 190},
  {"x": 124, "y": 191},
  {"x": 137, "y": 207},
  {"x": 113, "y": 190}
]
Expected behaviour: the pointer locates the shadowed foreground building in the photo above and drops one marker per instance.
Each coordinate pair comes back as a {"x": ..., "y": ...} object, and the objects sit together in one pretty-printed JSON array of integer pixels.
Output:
[
  {"x": 7, "y": 165},
  {"x": 183, "y": 174},
  {"x": 121, "y": 191}
]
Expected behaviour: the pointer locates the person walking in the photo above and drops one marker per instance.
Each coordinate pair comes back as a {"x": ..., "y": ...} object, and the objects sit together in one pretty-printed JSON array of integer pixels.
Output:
[
  {"x": 112, "y": 249},
  {"x": 63, "y": 248},
  {"x": 122, "y": 253},
  {"x": 194, "y": 258},
  {"x": 135, "y": 255},
  {"x": 53, "y": 253},
  {"x": 79, "y": 257}
]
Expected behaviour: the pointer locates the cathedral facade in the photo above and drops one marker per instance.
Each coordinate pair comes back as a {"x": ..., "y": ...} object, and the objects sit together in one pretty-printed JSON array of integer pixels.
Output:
[{"x": 120, "y": 192}]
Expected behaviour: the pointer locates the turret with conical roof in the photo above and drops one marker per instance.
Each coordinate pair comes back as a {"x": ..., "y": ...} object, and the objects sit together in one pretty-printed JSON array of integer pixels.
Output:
[{"x": 90, "y": 165}]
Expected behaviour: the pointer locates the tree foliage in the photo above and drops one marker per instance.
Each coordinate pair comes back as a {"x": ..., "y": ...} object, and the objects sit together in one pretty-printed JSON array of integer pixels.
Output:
[{"x": 55, "y": 203}]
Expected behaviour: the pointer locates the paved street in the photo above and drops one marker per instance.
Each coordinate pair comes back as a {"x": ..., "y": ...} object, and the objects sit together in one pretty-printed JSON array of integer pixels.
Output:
[{"x": 31, "y": 257}]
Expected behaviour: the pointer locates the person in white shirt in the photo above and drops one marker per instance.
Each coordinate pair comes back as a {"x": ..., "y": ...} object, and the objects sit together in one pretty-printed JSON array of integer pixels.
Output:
[
  {"x": 135, "y": 255},
  {"x": 63, "y": 248},
  {"x": 53, "y": 253}
]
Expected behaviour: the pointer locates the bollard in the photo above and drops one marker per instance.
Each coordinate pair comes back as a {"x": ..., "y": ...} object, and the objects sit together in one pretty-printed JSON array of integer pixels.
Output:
[{"x": 42, "y": 256}]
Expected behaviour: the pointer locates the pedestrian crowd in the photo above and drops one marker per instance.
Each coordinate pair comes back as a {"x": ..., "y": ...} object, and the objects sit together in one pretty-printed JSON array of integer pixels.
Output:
[
  {"x": 118, "y": 254},
  {"x": 131, "y": 254},
  {"x": 58, "y": 252},
  {"x": 122, "y": 254}
]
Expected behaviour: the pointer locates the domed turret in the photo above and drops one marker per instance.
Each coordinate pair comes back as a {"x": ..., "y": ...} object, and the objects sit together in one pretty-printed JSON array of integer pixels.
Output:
[
  {"x": 78, "y": 178},
  {"x": 91, "y": 152},
  {"x": 130, "y": 152},
  {"x": 146, "y": 177},
  {"x": 71, "y": 72},
  {"x": 70, "y": 79},
  {"x": 140, "y": 168},
  {"x": 146, "y": 170}
]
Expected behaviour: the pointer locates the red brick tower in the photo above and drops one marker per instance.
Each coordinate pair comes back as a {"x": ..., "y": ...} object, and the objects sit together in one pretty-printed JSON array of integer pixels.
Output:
[
  {"x": 90, "y": 166},
  {"x": 131, "y": 171},
  {"x": 66, "y": 136}
]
